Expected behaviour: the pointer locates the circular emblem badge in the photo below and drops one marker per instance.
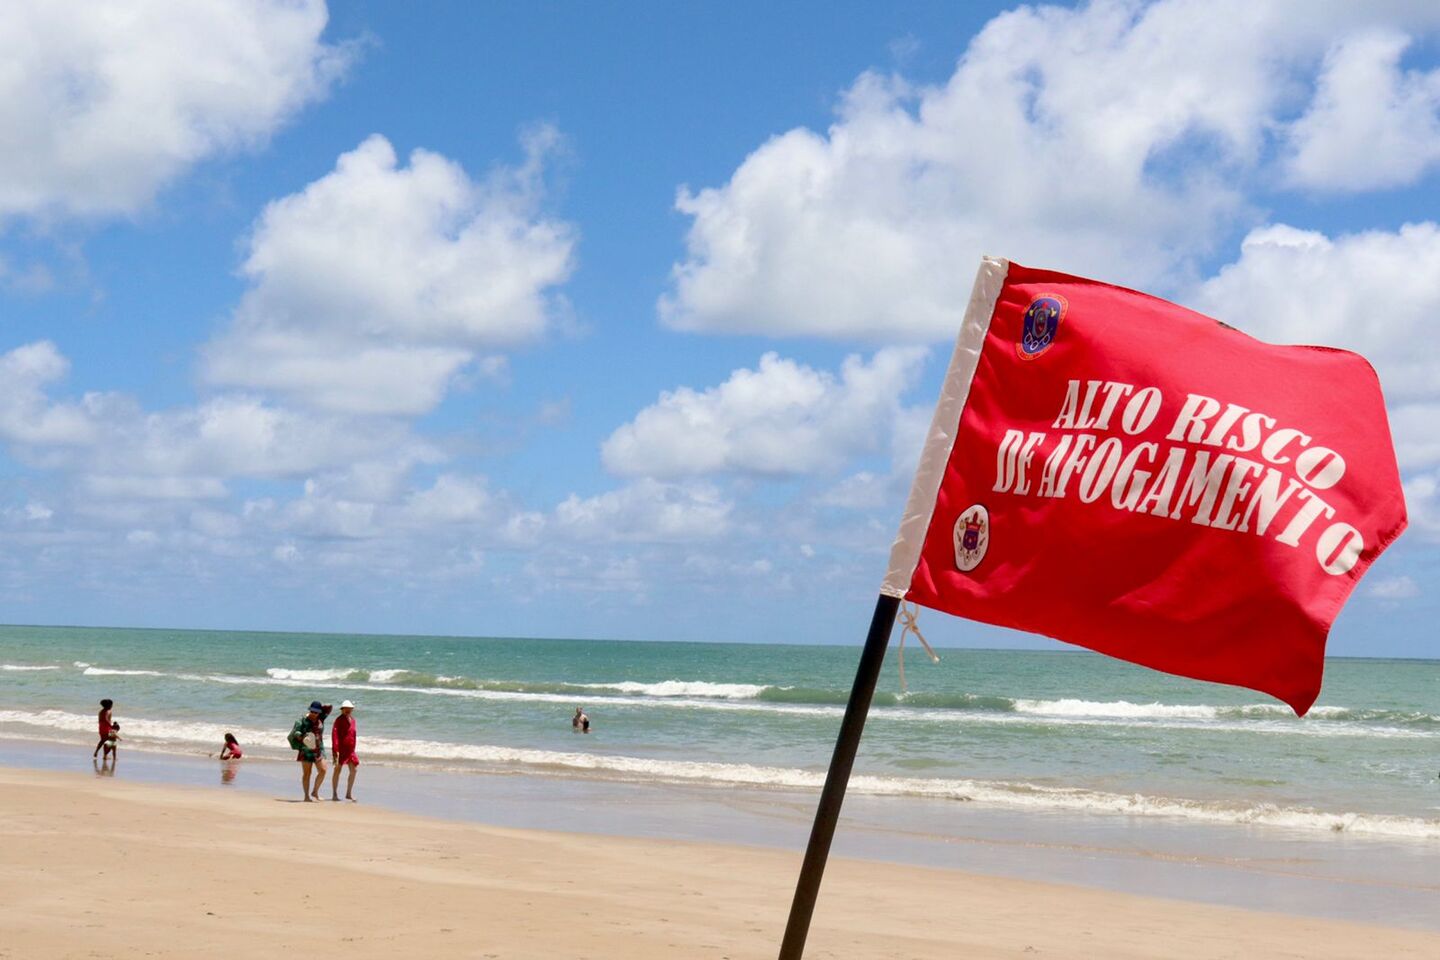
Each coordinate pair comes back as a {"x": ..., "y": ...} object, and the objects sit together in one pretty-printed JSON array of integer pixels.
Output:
[
  {"x": 1041, "y": 325},
  {"x": 972, "y": 537}
]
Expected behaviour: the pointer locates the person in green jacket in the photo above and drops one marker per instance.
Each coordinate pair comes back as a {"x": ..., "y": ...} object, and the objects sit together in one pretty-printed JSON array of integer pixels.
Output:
[{"x": 305, "y": 739}]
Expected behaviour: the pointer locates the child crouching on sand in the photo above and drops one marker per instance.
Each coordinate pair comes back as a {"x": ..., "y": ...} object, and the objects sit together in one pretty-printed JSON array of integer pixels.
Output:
[{"x": 231, "y": 750}]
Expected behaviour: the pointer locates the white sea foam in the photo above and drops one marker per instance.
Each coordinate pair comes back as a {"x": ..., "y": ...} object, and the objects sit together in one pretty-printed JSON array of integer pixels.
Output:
[
  {"x": 1266, "y": 719},
  {"x": 529, "y": 697},
  {"x": 23, "y": 668},
  {"x": 1124, "y": 709},
  {"x": 159, "y": 733},
  {"x": 140, "y": 730},
  {"x": 1280, "y": 710},
  {"x": 104, "y": 672},
  {"x": 699, "y": 693},
  {"x": 1115, "y": 708},
  {"x": 683, "y": 688},
  {"x": 664, "y": 688},
  {"x": 81, "y": 664},
  {"x": 313, "y": 676}
]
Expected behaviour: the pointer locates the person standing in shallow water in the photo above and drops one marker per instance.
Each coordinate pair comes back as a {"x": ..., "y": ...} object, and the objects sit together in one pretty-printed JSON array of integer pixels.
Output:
[
  {"x": 318, "y": 724},
  {"x": 104, "y": 721},
  {"x": 342, "y": 751},
  {"x": 305, "y": 740}
]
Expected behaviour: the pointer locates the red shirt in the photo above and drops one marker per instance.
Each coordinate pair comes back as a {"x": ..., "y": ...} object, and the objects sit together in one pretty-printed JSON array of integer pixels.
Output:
[{"x": 342, "y": 734}]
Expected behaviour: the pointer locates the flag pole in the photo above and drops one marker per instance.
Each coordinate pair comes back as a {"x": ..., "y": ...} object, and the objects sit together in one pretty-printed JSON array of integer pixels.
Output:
[{"x": 807, "y": 888}]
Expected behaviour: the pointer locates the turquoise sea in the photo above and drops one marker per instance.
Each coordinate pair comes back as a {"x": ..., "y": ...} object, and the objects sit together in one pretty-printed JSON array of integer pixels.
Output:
[{"x": 1047, "y": 732}]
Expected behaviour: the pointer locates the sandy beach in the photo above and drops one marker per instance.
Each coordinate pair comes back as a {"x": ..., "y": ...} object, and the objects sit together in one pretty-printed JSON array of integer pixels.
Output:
[{"x": 105, "y": 868}]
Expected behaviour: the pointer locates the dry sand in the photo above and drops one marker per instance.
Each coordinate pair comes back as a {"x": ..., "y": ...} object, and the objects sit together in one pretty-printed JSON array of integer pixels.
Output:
[{"x": 104, "y": 868}]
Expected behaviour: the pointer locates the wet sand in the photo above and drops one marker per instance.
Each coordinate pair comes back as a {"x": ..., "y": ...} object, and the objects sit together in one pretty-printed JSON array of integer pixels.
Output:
[{"x": 108, "y": 868}]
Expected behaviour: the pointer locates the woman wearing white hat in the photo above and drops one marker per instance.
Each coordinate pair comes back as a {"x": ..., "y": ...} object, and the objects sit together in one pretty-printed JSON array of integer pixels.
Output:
[{"x": 342, "y": 751}]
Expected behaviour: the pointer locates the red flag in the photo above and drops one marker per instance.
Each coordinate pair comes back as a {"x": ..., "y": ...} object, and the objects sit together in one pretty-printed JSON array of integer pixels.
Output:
[{"x": 1118, "y": 472}]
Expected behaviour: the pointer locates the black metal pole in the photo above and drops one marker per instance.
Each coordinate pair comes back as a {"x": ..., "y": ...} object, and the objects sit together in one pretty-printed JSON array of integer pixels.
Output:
[{"x": 807, "y": 888}]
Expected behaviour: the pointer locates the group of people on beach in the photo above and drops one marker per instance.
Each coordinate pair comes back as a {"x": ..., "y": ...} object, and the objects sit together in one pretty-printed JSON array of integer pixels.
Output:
[{"x": 307, "y": 739}]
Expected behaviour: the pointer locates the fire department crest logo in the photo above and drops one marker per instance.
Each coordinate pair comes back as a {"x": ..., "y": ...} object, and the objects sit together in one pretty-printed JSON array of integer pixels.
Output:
[
  {"x": 972, "y": 537},
  {"x": 1042, "y": 325}
]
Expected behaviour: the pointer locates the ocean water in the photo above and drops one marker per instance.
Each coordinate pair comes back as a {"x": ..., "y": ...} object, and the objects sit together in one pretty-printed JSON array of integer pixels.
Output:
[{"x": 1045, "y": 732}]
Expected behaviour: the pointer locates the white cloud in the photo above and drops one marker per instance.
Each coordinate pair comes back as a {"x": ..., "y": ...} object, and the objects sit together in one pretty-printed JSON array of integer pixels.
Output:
[
  {"x": 243, "y": 437},
  {"x": 1371, "y": 125},
  {"x": 867, "y": 490},
  {"x": 101, "y": 104},
  {"x": 645, "y": 511},
  {"x": 1395, "y": 588},
  {"x": 26, "y": 415},
  {"x": 216, "y": 524},
  {"x": 32, "y": 513},
  {"x": 381, "y": 480},
  {"x": 376, "y": 503},
  {"x": 782, "y": 418},
  {"x": 112, "y": 487},
  {"x": 31, "y": 278},
  {"x": 1416, "y": 428},
  {"x": 1422, "y": 503},
  {"x": 325, "y": 518},
  {"x": 1376, "y": 292},
  {"x": 568, "y": 573},
  {"x": 452, "y": 499},
  {"x": 1066, "y": 138},
  {"x": 377, "y": 284},
  {"x": 864, "y": 490},
  {"x": 118, "y": 450}
]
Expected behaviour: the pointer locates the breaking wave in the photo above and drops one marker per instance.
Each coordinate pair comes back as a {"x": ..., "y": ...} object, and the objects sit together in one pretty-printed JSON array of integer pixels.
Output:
[
  {"x": 166, "y": 734},
  {"x": 103, "y": 672},
  {"x": 316, "y": 676},
  {"x": 1260, "y": 718}
]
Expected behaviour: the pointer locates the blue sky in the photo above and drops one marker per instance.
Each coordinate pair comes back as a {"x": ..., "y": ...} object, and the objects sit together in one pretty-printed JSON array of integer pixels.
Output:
[{"x": 609, "y": 320}]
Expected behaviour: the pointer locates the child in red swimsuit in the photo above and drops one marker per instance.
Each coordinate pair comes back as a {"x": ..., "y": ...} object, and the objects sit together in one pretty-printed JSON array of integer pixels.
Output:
[{"x": 231, "y": 750}]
